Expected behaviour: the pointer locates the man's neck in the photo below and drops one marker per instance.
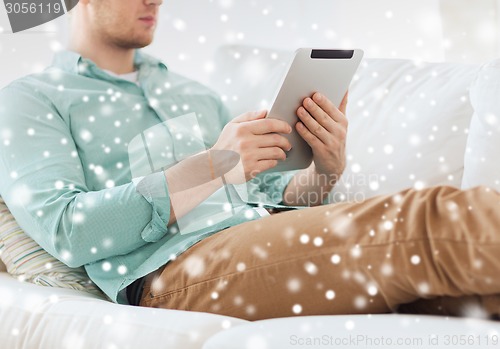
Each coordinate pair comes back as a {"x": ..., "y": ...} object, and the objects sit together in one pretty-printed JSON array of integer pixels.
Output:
[{"x": 112, "y": 58}]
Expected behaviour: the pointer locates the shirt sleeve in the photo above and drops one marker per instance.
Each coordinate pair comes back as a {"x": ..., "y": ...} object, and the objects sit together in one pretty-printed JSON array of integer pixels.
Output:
[
  {"x": 43, "y": 184},
  {"x": 273, "y": 185}
]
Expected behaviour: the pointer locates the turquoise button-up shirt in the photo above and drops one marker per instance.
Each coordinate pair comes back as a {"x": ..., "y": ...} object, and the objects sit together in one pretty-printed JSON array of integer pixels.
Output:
[{"x": 82, "y": 159}]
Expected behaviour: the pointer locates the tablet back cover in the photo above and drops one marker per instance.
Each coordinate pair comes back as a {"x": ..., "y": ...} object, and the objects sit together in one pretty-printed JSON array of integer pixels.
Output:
[{"x": 329, "y": 72}]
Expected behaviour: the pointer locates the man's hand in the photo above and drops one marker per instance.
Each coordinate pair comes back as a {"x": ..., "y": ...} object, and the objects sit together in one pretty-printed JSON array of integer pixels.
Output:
[
  {"x": 257, "y": 142},
  {"x": 324, "y": 127}
]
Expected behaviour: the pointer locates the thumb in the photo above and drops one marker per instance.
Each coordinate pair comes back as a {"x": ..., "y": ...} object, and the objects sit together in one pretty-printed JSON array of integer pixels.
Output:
[
  {"x": 343, "y": 104},
  {"x": 249, "y": 116}
]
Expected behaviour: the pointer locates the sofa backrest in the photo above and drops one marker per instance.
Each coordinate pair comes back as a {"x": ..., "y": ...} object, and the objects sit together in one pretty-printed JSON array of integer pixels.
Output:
[
  {"x": 481, "y": 156},
  {"x": 408, "y": 121}
]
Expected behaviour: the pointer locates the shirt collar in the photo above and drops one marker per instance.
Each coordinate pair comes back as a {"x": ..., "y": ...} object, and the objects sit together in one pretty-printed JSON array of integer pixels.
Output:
[{"x": 73, "y": 62}]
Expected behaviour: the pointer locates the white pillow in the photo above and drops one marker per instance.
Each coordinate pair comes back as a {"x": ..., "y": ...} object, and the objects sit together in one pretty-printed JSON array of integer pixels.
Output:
[
  {"x": 481, "y": 158},
  {"x": 408, "y": 127},
  {"x": 407, "y": 121},
  {"x": 27, "y": 261},
  {"x": 35, "y": 317}
]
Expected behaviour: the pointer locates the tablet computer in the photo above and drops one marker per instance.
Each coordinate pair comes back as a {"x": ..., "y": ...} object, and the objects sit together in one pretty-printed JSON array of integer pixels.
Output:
[{"x": 329, "y": 72}]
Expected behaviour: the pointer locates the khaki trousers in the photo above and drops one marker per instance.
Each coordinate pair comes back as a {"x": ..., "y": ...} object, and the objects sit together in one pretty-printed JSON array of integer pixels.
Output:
[{"x": 432, "y": 251}]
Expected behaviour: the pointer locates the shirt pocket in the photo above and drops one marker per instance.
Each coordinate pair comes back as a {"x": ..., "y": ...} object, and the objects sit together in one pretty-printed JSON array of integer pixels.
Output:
[{"x": 102, "y": 132}]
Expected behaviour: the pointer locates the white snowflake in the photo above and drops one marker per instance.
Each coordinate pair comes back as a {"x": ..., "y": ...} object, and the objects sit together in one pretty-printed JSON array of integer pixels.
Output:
[
  {"x": 330, "y": 294},
  {"x": 194, "y": 266}
]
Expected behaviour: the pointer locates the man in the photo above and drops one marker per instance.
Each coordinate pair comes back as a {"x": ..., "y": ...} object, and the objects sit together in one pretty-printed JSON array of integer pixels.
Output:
[{"x": 68, "y": 177}]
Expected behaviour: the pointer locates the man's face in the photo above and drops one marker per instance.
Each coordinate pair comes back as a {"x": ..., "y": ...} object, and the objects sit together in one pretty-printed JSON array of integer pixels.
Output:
[{"x": 119, "y": 23}]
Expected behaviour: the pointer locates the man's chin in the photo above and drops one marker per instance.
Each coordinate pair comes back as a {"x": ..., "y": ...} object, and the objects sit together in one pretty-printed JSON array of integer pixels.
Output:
[
  {"x": 145, "y": 42},
  {"x": 141, "y": 45},
  {"x": 137, "y": 43}
]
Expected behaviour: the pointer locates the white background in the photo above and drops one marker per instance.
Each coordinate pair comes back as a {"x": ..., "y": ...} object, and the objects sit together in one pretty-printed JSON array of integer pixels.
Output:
[{"x": 189, "y": 31}]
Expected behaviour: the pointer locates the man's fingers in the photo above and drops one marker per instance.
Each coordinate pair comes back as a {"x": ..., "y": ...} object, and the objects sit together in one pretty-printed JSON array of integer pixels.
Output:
[
  {"x": 343, "y": 104},
  {"x": 335, "y": 113},
  {"x": 319, "y": 114},
  {"x": 307, "y": 135},
  {"x": 313, "y": 125},
  {"x": 273, "y": 140},
  {"x": 271, "y": 153},
  {"x": 264, "y": 126},
  {"x": 252, "y": 115}
]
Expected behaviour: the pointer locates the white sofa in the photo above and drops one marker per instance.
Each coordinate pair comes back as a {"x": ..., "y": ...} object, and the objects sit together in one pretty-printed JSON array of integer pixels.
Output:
[{"x": 408, "y": 127}]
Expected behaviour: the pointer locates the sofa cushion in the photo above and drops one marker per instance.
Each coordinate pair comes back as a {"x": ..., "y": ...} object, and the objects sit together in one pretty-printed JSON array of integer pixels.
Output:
[
  {"x": 481, "y": 157},
  {"x": 407, "y": 121},
  {"x": 26, "y": 260},
  {"x": 408, "y": 127},
  {"x": 358, "y": 331},
  {"x": 35, "y": 317}
]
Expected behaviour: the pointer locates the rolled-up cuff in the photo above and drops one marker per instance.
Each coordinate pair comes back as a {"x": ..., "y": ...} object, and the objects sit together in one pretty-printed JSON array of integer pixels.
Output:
[
  {"x": 154, "y": 189},
  {"x": 275, "y": 185}
]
